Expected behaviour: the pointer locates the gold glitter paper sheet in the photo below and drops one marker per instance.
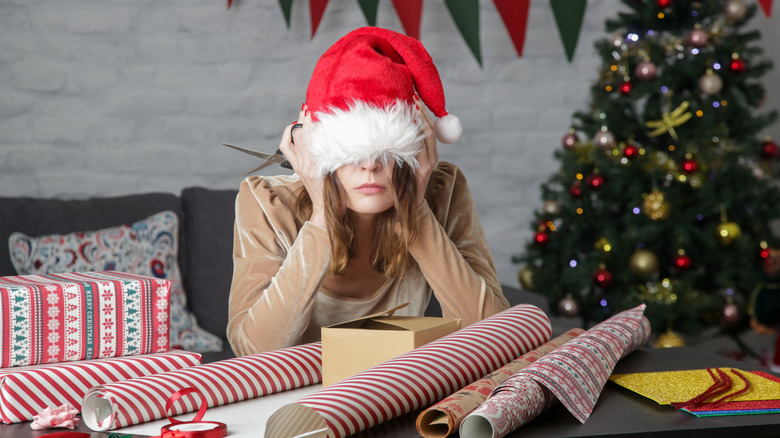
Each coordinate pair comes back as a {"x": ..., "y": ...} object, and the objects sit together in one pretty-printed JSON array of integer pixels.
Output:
[{"x": 680, "y": 386}]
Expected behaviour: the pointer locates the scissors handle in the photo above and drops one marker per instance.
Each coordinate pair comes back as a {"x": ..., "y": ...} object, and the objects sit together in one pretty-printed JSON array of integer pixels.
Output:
[{"x": 286, "y": 164}]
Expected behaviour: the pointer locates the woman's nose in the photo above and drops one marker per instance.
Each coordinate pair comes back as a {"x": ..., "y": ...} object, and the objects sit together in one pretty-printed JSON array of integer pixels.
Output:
[{"x": 371, "y": 165}]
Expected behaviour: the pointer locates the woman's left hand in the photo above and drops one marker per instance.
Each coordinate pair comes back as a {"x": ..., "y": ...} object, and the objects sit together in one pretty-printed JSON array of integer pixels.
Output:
[{"x": 429, "y": 155}]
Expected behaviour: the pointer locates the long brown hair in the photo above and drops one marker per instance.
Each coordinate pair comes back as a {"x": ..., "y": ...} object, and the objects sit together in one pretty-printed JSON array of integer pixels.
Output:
[{"x": 396, "y": 228}]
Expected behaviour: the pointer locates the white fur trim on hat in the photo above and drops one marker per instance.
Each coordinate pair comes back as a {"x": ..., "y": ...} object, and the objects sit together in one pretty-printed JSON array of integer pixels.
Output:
[{"x": 364, "y": 132}]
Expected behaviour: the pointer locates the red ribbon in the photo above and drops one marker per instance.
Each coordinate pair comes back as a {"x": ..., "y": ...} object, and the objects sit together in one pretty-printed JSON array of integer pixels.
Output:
[
  {"x": 722, "y": 384},
  {"x": 191, "y": 429}
]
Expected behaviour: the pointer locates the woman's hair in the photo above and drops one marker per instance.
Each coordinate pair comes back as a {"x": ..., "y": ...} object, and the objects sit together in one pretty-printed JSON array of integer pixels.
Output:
[{"x": 396, "y": 227}]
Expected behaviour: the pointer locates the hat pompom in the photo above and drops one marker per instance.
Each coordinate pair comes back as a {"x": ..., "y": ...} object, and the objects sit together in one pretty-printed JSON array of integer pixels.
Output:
[{"x": 448, "y": 129}]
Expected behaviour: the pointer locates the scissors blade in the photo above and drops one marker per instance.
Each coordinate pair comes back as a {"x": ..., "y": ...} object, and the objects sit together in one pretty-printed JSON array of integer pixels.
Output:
[{"x": 248, "y": 151}]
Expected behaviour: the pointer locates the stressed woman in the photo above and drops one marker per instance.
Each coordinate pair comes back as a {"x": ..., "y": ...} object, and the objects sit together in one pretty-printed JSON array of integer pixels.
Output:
[{"x": 370, "y": 219}]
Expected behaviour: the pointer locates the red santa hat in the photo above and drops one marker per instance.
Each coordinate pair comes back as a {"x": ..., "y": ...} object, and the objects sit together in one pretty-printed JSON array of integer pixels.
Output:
[{"x": 361, "y": 95}]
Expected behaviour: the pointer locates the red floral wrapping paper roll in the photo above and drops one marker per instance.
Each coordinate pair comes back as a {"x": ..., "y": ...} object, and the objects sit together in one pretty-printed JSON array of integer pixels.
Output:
[
  {"x": 575, "y": 374},
  {"x": 443, "y": 418},
  {"x": 135, "y": 401},
  {"x": 26, "y": 391},
  {"x": 414, "y": 379}
]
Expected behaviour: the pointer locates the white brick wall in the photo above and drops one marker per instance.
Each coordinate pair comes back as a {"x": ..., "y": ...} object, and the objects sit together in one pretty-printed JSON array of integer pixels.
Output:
[{"x": 109, "y": 97}]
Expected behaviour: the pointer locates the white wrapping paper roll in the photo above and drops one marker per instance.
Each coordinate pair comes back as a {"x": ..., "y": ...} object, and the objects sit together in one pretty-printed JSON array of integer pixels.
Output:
[
  {"x": 415, "y": 379},
  {"x": 134, "y": 401}
]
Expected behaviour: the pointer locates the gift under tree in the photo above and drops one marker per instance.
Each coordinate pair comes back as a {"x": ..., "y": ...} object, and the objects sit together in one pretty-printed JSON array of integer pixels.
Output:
[{"x": 664, "y": 194}]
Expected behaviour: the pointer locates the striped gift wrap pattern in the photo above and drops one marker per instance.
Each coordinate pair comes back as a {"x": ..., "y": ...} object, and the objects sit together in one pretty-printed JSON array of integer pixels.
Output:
[
  {"x": 140, "y": 400},
  {"x": 414, "y": 379},
  {"x": 65, "y": 317},
  {"x": 26, "y": 391}
]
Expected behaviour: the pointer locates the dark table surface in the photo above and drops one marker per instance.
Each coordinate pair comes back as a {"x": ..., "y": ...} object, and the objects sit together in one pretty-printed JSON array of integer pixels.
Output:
[{"x": 618, "y": 413}]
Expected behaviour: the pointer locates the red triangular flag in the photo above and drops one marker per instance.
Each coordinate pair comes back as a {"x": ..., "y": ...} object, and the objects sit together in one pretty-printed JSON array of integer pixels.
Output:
[
  {"x": 317, "y": 9},
  {"x": 514, "y": 13},
  {"x": 766, "y": 5},
  {"x": 230, "y": 2},
  {"x": 410, "y": 14}
]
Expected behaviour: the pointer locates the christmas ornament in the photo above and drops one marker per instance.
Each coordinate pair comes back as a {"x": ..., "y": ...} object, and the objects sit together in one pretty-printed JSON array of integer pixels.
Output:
[
  {"x": 551, "y": 208},
  {"x": 729, "y": 315},
  {"x": 669, "y": 339},
  {"x": 541, "y": 238},
  {"x": 765, "y": 251},
  {"x": 728, "y": 232},
  {"x": 570, "y": 140},
  {"x": 575, "y": 190},
  {"x": 568, "y": 306},
  {"x": 595, "y": 181},
  {"x": 663, "y": 4},
  {"x": 625, "y": 88},
  {"x": 604, "y": 139},
  {"x": 654, "y": 205},
  {"x": 526, "y": 277},
  {"x": 630, "y": 151},
  {"x": 602, "y": 278},
  {"x": 689, "y": 166},
  {"x": 696, "y": 38},
  {"x": 681, "y": 261},
  {"x": 737, "y": 65},
  {"x": 769, "y": 149},
  {"x": 645, "y": 71},
  {"x": 617, "y": 39},
  {"x": 734, "y": 10},
  {"x": 710, "y": 83},
  {"x": 669, "y": 121},
  {"x": 643, "y": 262}
]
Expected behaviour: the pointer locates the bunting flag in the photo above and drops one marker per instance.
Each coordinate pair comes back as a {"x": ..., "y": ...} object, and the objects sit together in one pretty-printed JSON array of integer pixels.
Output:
[
  {"x": 766, "y": 5},
  {"x": 369, "y": 8},
  {"x": 514, "y": 13},
  {"x": 568, "y": 15},
  {"x": 230, "y": 3},
  {"x": 465, "y": 14},
  {"x": 286, "y": 6},
  {"x": 410, "y": 14},
  {"x": 317, "y": 9}
]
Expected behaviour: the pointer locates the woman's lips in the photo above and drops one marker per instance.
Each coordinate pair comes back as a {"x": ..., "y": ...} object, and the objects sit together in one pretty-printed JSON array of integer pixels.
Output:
[{"x": 370, "y": 189}]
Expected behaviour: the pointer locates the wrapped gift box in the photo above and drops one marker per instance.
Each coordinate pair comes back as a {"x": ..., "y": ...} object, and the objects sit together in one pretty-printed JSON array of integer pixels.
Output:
[
  {"x": 26, "y": 391},
  {"x": 76, "y": 316}
]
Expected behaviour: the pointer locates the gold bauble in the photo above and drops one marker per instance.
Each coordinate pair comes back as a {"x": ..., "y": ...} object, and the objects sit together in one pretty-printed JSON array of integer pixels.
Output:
[
  {"x": 526, "y": 277},
  {"x": 728, "y": 232},
  {"x": 643, "y": 262},
  {"x": 654, "y": 205},
  {"x": 669, "y": 339}
]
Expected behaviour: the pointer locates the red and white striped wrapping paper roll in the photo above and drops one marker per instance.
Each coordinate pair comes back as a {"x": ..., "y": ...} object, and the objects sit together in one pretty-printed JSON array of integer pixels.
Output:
[
  {"x": 26, "y": 391},
  {"x": 414, "y": 379},
  {"x": 135, "y": 401},
  {"x": 574, "y": 373}
]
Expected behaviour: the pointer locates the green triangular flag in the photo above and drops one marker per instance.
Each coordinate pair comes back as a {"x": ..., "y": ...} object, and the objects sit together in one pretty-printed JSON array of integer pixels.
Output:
[
  {"x": 286, "y": 8},
  {"x": 465, "y": 14},
  {"x": 568, "y": 15},
  {"x": 369, "y": 8}
]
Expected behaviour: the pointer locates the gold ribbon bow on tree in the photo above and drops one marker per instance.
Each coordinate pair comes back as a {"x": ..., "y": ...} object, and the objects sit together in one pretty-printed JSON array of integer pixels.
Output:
[{"x": 669, "y": 121}]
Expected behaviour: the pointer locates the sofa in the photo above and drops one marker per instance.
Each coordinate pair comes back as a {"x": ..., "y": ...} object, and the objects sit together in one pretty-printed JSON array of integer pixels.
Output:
[{"x": 205, "y": 242}]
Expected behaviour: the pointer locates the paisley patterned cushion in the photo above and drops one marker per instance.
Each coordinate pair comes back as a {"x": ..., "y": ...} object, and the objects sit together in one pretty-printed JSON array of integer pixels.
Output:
[{"x": 147, "y": 247}]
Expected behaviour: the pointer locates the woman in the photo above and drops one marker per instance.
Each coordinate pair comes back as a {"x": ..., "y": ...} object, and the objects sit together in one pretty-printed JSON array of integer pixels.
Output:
[{"x": 370, "y": 219}]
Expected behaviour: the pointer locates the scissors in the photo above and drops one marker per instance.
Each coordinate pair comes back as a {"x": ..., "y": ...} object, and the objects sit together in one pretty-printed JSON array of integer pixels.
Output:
[{"x": 276, "y": 157}]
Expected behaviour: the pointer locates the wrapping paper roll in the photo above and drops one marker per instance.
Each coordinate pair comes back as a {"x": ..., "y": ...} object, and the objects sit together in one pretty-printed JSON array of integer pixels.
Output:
[
  {"x": 414, "y": 379},
  {"x": 26, "y": 391},
  {"x": 134, "y": 401},
  {"x": 575, "y": 374},
  {"x": 444, "y": 418}
]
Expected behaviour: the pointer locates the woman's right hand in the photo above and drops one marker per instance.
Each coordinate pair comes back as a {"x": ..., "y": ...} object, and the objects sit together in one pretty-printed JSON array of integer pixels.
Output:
[{"x": 295, "y": 150}]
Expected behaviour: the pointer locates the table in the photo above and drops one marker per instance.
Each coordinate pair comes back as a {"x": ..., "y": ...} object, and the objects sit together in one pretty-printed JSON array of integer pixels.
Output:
[{"x": 618, "y": 413}]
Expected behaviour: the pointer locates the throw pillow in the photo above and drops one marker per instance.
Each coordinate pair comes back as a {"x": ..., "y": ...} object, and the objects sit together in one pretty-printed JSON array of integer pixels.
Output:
[{"x": 147, "y": 247}]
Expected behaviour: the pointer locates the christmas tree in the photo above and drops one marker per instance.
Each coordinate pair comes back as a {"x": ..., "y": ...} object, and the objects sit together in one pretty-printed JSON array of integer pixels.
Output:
[{"x": 664, "y": 194}]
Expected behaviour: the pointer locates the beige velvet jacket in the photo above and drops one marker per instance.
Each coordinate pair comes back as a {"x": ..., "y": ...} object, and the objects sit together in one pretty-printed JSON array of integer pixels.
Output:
[{"x": 277, "y": 299}]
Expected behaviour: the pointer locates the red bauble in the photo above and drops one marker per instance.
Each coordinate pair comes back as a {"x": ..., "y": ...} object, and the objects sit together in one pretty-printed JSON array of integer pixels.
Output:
[
  {"x": 541, "y": 238},
  {"x": 602, "y": 278},
  {"x": 682, "y": 262},
  {"x": 575, "y": 190},
  {"x": 764, "y": 253},
  {"x": 737, "y": 65},
  {"x": 689, "y": 166},
  {"x": 630, "y": 151},
  {"x": 769, "y": 149},
  {"x": 595, "y": 181},
  {"x": 663, "y": 4},
  {"x": 625, "y": 88}
]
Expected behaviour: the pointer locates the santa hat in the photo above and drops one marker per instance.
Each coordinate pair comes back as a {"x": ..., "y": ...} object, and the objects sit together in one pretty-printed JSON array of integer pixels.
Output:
[{"x": 361, "y": 96}]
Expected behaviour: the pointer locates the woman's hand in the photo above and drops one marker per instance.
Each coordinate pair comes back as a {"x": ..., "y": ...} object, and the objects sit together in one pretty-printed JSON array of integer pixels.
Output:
[
  {"x": 429, "y": 155},
  {"x": 295, "y": 150}
]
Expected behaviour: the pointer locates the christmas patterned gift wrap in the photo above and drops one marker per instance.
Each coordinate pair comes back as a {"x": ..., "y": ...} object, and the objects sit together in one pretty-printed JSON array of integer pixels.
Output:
[
  {"x": 76, "y": 316},
  {"x": 26, "y": 391}
]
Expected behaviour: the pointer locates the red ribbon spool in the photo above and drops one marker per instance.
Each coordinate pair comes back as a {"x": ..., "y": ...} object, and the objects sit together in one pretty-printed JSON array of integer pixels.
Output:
[{"x": 195, "y": 428}]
